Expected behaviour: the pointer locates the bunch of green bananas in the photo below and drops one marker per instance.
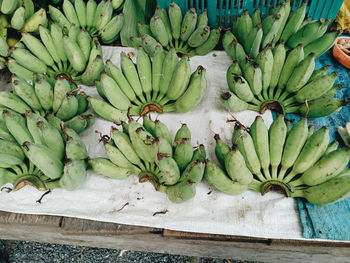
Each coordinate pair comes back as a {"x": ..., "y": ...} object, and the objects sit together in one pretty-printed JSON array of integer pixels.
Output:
[
  {"x": 255, "y": 32},
  {"x": 33, "y": 152},
  {"x": 58, "y": 99},
  {"x": 159, "y": 84},
  {"x": 116, "y": 4},
  {"x": 344, "y": 133},
  {"x": 295, "y": 159},
  {"x": 279, "y": 80},
  {"x": 189, "y": 35},
  {"x": 97, "y": 19},
  {"x": 76, "y": 55},
  {"x": 148, "y": 151},
  {"x": 20, "y": 15}
]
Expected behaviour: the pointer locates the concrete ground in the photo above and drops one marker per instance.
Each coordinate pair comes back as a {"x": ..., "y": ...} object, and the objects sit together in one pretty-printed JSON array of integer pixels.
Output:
[{"x": 30, "y": 252}]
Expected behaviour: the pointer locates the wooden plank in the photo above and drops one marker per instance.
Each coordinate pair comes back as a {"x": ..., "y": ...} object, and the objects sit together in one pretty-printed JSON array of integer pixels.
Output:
[{"x": 72, "y": 231}]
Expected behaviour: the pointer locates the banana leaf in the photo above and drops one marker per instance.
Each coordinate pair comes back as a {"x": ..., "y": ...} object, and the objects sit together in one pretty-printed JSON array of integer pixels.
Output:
[{"x": 135, "y": 11}]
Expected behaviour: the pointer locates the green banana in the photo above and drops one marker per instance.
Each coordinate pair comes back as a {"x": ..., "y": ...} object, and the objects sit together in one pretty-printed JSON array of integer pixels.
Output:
[
  {"x": 169, "y": 170},
  {"x": 175, "y": 18},
  {"x": 294, "y": 22},
  {"x": 181, "y": 191},
  {"x": 74, "y": 174},
  {"x": 169, "y": 65},
  {"x": 183, "y": 133},
  {"x": 199, "y": 36},
  {"x": 232, "y": 103},
  {"x": 159, "y": 31},
  {"x": 107, "y": 111},
  {"x": 183, "y": 153},
  {"x": 29, "y": 61},
  {"x": 13, "y": 102},
  {"x": 37, "y": 19},
  {"x": 188, "y": 25},
  {"x": 210, "y": 43},
  {"x": 180, "y": 79},
  {"x": 236, "y": 167},
  {"x": 106, "y": 168}
]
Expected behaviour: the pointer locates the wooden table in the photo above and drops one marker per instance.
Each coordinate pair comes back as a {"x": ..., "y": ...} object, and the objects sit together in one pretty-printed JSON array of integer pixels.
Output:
[{"x": 73, "y": 231}]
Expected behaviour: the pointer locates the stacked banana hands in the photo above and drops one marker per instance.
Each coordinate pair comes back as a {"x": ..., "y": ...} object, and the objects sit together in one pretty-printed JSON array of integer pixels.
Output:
[
  {"x": 296, "y": 160},
  {"x": 57, "y": 100},
  {"x": 189, "y": 34},
  {"x": 17, "y": 16},
  {"x": 36, "y": 153},
  {"x": 76, "y": 55},
  {"x": 274, "y": 64},
  {"x": 162, "y": 83},
  {"x": 148, "y": 151},
  {"x": 98, "y": 19}
]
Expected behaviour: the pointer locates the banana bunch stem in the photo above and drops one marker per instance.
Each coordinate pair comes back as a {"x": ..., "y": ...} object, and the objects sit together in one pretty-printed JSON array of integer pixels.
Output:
[{"x": 296, "y": 161}]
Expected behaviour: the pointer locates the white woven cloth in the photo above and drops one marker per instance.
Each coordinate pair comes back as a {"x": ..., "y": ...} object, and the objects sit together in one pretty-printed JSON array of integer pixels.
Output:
[{"x": 100, "y": 199}]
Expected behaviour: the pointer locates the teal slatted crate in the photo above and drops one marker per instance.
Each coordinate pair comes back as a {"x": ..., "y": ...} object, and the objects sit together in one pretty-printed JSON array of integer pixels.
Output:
[{"x": 221, "y": 12}]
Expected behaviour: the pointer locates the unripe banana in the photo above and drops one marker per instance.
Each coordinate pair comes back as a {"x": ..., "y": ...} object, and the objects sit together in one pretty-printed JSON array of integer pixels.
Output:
[
  {"x": 159, "y": 31},
  {"x": 294, "y": 22},
  {"x": 11, "y": 153},
  {"x": 106, "y": 111},
  {"x": 285, "y": 9},
  {"x": 232, "y": 103},
  {"x": 265, "y": 60},
  {"x": 241, "y": 88},
  {"x": 170, "y": 63},
  {"x": 175, "y": 18},
  {"x": 7, "y": 177},
  {"x": 194, "y": 93},
  {"x": 319, "y": 73},
  {"x": 74, "y": 54},
  {"x": 5, "y": 133},
  {"x": 165, "y": 18},
  {"x": 33, "y": 23},
  {"x": 144, "y": 69},
  {"x": 58, "y": 17},
  {"x": 43, "y": 158},
  {"x": 9, "y": 6},
  {"x": 316, "y": 88},
  {"x": 199, "y": 36},
  {"x": 70, "y": 13},
  {"x": 245, "y": 144},
  {"x": 301, "y": 74},
  {"x": 117, "y": 4},
  {"x": 79, "y": 123},
  {"x": 122, "y": 141},
  {"x": 157, "y": 68},
  {"x": 279, "y": 57},
  {"x": 61, "y": 88},
  {"x": 13, "y": 102},
  {"x": 169, "y": 170},
  {"x": 193, "y": 173},
  {"x": 304, "y": 35},
  {"x": 106, "y": 168},
  {"x": 93, "y": 70},
  {"x": 322, "y": 44},
  {"x": 256, "y": 18},
  {"x": 90, "y": 13},
  {"x": 181, "y": 191},
  {"x": 236, "y": 167},
  {"x": 189, "y": 23},
  {"x": 74, "y": 174},
  {"x": 111, "y": 31},
  {"x": 202, "y": 19},
  {"x": 183, "y": 153},
  {"x": 294, "y": 57},
  {"x": 295, "y": 141},
  {"x": 69, "y": 108},
  {"x": 130, "y": 73},
  {"x": 26, "y": 92},
  {"x": 183, "y": 133},
  {"x": 162, "y": 131},
  {"x": 80, "y": 9},
  {"x": 253, "y": 75},
  {"x": 277, "y": 137},
  {"x": 37, "y": 48},
  {"x": 312, "y": 151},
  {"x": 254, "y": 42},
  {"x": 27, "y": 60},
  {"x": 113, "y": 93},
  {"x": 227, "y": 40},
  {"x": 328, "y": 167},
  {"x": 321, "y": 107},
  {"x": 210, "y": 43},
  {"x": 57, "y": 37},
  {"x": 51, "y": 137},
  {"x": 243, "y": 26},
  {"x": 105, "y": 15},
  {"x": 271, "y": 34},
  {"x": 18, "y": 19},
  {"x": 180, "y": 79},
  {"x": 216, "y": 177},
  {"x": 149, "y": 44},
  {"x": 199, "y": 154},
  {"x": 117, "y": 157},
  {"x": 221, "y": 150},
  {"x": 75, "y": 149},
  {"x": 260, "y": 136}
]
